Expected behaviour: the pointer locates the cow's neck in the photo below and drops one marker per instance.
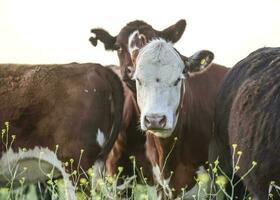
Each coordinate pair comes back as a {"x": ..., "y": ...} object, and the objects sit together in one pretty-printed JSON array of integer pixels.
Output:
[
  {"x": 131, "y": 84},
  {"x": 165, "y": 148},
  {"x": 170, "y": 154},
  {"x": 164, "y": 155}
]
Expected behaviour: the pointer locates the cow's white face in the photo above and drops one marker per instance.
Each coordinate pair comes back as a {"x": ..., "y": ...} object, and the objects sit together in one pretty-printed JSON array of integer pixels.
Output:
[{"x": 159, "y": 84}]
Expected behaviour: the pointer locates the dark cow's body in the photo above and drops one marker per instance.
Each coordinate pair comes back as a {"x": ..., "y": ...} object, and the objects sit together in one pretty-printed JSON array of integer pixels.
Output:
[
  {"x": 247, "y": 114},
  {"x": 193, "y": 130},
  {"x": 131, "y": 140},
  {"x": 62, "y": 104}
]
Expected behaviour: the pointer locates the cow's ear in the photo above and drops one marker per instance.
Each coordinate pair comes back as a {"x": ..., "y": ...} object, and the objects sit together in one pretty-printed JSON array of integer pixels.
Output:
[
  {"x": 105, "y": 37},
  {"x": 173, "y": 33},
  {"x": 199, "y": 61}
]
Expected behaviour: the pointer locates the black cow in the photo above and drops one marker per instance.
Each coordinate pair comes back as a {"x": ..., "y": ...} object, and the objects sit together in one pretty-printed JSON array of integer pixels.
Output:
[{"x": 248, "y": 115}]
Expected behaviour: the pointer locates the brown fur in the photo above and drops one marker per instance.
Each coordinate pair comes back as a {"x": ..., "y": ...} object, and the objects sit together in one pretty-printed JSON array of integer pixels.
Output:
[
  {"x": 193, "y": 130},
  {"x": 131, "y": 140},
  {"x": 62, "y": 104},
  {"x": 172, "y": 33}
]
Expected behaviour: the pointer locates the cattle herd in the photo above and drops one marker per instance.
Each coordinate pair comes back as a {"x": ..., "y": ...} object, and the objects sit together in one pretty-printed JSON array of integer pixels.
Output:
[{"x": 175, "y": 114}]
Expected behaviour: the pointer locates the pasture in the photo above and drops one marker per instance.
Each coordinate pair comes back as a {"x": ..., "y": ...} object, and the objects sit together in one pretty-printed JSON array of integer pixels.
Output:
[
  {"x": 114, "y": 100},
  {"x": 88, "y": 185},
  {"x": 50, "y": 172}
]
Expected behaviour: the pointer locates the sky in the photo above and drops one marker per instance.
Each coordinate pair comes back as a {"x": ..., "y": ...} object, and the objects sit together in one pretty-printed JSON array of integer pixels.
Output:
[{"x": 57, "y": 31}]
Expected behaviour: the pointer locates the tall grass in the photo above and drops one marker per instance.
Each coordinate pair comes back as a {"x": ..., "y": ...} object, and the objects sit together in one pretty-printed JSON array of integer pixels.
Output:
[{"x": 93, "y": 184}]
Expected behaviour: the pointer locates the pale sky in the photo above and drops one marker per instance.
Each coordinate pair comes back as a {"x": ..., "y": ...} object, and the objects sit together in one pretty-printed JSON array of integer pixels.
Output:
[{"x": 57, "y": 31}]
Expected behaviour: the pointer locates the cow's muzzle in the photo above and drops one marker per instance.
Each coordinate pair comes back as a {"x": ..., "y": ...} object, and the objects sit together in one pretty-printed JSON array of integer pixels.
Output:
[{"x": 155, "y": 121}]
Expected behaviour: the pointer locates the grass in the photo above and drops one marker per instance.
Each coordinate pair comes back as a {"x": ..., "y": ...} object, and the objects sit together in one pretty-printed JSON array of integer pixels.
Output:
[{"x": 92, "y": 184}]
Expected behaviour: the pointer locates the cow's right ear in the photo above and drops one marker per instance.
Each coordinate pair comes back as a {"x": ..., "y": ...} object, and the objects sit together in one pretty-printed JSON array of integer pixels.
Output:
[
  {"x": 173, "y": 33},
  {"x": 199, "y": 61},
  {"x": 105, "y": 37}
]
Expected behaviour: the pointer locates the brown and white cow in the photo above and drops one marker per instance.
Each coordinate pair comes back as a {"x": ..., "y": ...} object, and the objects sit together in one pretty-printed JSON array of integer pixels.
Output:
[
  {"x": 75, "y": 106},
  {"x": 176, "y": 98},
  {"x": 133, "y": 36},
  {"x": 247, "y": 114}
]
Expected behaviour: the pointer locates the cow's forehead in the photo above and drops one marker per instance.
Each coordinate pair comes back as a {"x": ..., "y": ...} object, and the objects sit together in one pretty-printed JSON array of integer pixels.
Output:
[
  {"x": 159, "y": 59},
  {"x": 165, "y": 74}
]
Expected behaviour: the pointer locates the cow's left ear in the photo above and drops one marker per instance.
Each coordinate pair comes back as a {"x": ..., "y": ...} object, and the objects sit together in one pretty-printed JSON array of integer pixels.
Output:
[
  {"x": 173, "y": 33},
  {"x": 199, "y": 61},
  {"x": 104, "y": 37}
]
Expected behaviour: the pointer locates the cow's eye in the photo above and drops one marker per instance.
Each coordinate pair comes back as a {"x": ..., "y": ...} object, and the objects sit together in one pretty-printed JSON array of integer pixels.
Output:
[
  {"x": 118, "y": 48},
  {"x": 176, "y": 82},
  {"x": 139, "y": 82}
]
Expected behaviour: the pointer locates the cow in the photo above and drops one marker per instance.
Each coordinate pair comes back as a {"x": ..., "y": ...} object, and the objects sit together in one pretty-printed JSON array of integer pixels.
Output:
[
  {"x": 176, "y": 97},
  {"x": 131, "y": 140},
  {"x": 76, "y": 108},
  {"x": 131, "y": 38},
  {"x": 247, "y": 117}
]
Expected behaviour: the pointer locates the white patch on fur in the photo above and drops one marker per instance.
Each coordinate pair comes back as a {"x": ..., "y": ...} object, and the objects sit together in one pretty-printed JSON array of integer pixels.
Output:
[
  {"x": 158, "y": 67},
  {"x": 99, "y": 168},
  {"x": 100, "y": 138},
  {"x": 130, "y": 38},
  {"x": 98, "y": 172},
  {"x": 156, "y": 172},
  {"x": 85, "y": 90},
  {"x": 33, "y": 165},
  {"x": 131, "y": 48},
  {"x": 163, "y": 183}
]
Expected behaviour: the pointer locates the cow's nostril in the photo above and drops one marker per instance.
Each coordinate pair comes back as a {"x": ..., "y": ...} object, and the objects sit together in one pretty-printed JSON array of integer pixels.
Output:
[{"x": 162, "y": 122}]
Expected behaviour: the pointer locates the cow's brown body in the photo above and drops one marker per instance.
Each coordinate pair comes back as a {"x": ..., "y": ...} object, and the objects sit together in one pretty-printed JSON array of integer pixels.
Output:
[
  {"x": 193, "y": 130},
  {"x": 247, "y": 114},
  {"x": 131, "y": 140},
  {"x": 195, "y": 123},
  {"x": 65, "y": 105}
]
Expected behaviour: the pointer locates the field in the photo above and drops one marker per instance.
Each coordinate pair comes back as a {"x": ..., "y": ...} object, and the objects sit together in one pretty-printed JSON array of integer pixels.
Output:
[{"x": 93, "y": 184}]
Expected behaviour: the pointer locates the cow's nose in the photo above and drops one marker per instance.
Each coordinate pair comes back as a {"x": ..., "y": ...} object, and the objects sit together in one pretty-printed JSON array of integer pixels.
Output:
[{"x": 155, "y": 121}]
